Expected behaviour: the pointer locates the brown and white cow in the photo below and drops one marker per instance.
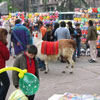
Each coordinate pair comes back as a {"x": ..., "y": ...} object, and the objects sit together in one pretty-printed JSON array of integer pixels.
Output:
[{"x": 66, "y": 48}]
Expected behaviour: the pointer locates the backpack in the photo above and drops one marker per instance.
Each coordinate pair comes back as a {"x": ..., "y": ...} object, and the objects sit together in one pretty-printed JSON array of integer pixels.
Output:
[{"x": 18, "y": 95}]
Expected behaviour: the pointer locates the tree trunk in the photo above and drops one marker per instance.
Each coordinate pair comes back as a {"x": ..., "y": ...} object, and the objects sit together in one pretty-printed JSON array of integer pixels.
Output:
[
  {"x": 85, "y": 3},
  {"x": 94, "y": 3},
  {"x": 71, "y": 5},
  {"x": 44, "y": 5}
]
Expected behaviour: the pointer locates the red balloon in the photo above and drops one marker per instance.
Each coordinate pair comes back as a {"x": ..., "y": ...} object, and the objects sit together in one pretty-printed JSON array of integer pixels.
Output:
[{"x": 95, "y": 10}]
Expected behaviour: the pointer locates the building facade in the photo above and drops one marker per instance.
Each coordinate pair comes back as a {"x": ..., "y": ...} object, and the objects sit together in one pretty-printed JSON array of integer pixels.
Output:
[
  {"x": 33, "y": 5},
  {"x": 40, "y": 6},
  {"x": 50, "y": 5},
  {"x": 21, "y": 5}
]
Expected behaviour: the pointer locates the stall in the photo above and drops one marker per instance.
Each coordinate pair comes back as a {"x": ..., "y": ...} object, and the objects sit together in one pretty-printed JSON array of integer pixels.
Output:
[{"x": 74, "y": 96}]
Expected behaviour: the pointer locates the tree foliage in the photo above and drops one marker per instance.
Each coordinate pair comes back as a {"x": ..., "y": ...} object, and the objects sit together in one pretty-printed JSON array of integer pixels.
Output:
[{"x": 69, "y": 5}]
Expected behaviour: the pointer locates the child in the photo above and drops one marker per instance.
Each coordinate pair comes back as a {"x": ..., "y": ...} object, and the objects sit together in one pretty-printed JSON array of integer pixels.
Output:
[
  {"x": 27, "y": 61},
  {"x": 4, "y": 56}
]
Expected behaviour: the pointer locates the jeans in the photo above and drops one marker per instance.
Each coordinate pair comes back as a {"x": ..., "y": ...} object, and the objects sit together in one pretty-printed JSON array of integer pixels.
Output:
[
  {"x": 78, "y": 41},
  {"x": 4, "y": 85},
  {"x": 41, "y": 63}
]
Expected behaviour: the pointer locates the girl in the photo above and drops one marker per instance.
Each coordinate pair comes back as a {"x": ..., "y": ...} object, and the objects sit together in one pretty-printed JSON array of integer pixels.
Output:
[{"x": 4, "y": 56}]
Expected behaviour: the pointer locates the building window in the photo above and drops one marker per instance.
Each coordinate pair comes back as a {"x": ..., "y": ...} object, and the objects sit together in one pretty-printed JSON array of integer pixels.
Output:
[
  {"x": 33, "y": 1},
  {"x": 52, "y": 8},
  {"x": 48, "y": 8}
]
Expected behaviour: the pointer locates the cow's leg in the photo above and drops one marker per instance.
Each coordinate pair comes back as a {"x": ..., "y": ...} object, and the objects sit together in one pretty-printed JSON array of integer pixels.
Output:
[
  {"x": 47, "y": 69},
  {"x": 71, "y": 65}
]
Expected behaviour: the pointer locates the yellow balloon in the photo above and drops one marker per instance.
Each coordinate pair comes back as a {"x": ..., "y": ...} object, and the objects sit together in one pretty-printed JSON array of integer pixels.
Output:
[
  {"x": 97, "y": 28},
  {"x": 21, "y": 72}
]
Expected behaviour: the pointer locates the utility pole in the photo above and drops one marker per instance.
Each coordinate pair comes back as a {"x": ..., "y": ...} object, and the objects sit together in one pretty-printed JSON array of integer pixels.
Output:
[{"x": 24, "y": 6}]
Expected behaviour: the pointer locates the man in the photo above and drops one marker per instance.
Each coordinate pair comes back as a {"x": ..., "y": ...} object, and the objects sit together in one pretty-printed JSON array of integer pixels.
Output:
[
  {"x": 62, "y": 32},
  {"x": 92, "y": 37},
  {"x": 27, "y": 61},
  {"x": 20, "y": 37},
  {"x": 78, "y": 35}
]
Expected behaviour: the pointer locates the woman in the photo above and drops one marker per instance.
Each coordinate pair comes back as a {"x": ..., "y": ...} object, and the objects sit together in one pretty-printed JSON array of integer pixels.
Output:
[
  {"x": 71, "y": 29},
  {"x": 56, "y": 25},
  {"x": 4, "y": 56}
]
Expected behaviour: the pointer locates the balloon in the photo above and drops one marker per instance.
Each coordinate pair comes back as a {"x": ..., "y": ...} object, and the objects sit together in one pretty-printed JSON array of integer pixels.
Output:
[
  {"x": 90, "y": 10},
  {"x": 21, "y": 74},
  {"x": 98, "y": 9},
  {"x": 95, "y": 10},
  {"x": 18, "y": 95},
  {"x": 29, "y": 84}
]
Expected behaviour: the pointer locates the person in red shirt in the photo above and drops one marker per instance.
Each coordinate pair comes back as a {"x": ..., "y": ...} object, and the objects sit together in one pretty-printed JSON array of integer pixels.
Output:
[
  {"x": 4, "y": 56},
  {"x": 27, "y": 61}
]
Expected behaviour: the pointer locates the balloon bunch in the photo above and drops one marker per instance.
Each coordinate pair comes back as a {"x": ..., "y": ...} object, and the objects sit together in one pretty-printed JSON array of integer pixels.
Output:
[{"x": 28, "y": 82}]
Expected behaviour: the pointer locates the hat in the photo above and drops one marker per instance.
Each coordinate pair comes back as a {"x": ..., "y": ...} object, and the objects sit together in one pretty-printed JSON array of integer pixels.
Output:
[{"x": 77, "y": 24}]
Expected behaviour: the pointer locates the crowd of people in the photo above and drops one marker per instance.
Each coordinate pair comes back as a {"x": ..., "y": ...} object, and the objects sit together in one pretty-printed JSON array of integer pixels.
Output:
[{"x": 22, "y": 36}]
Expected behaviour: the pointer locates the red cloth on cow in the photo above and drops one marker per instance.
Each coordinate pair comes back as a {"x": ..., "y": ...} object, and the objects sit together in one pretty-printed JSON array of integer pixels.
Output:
[
  {"x": 49, "y": 48},
  {"x": 30, "y": 65}
]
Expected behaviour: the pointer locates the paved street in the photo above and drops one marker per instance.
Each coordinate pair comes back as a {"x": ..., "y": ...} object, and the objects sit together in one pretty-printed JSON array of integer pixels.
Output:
[{"x": 85, "y": 80}]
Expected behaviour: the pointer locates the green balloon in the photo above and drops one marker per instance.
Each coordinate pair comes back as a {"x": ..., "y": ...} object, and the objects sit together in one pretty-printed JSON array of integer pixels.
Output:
[
  {"x": 98, "y": 9},
  {"x": 29, "y": 84},
  {"x": 26, "y": 17}
]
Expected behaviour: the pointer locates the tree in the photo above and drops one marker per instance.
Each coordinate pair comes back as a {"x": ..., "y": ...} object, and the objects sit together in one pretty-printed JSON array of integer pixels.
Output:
[
  {"x": 65, "y": 5},
  {"x": 94, "y": 3},
  {"x": 69, "y": 5},
  {"x": 44, "y": 4}
]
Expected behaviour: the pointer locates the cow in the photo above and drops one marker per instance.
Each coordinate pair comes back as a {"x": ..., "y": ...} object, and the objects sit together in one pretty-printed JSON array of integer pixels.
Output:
[{"x": 66, "y": 48}]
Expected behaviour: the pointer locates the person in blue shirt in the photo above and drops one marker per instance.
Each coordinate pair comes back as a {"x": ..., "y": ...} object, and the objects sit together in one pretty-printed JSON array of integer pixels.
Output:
[{"x": 21, "y": 37}]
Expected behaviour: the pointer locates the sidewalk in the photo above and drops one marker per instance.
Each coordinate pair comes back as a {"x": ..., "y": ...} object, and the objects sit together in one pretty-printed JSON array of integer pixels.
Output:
[{"x": 85, "y": 80}]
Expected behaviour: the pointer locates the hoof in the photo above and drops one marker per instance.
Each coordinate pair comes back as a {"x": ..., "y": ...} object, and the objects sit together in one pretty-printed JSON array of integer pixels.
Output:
[
  {"x": 66, "y": 66},
  {"x": 45, "y": 72},
  {"x": 71, "y": 72},
  {"x": 63, "y": 72}
]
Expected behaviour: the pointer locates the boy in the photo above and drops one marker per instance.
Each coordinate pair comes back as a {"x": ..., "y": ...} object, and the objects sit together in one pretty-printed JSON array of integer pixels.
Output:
[
  {"x": 27, "y": 61},
  {"x": 78, "y": 35}
]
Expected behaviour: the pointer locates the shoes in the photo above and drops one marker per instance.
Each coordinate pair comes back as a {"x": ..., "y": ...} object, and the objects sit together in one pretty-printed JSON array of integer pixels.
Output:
[
  {"x": 92, "y": 61},
  {"x": 62, "y": 61},
  {"x": 42, "y": 69},
  {"x": 89, "y": 60},
  {"x": 78, "y": 56}
]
